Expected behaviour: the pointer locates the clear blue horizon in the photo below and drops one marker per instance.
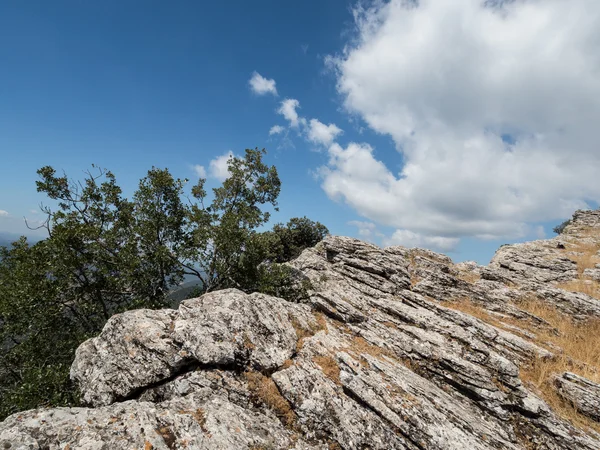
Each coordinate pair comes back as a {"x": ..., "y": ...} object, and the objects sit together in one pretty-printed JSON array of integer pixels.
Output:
[{"x": 178, "y": 85}]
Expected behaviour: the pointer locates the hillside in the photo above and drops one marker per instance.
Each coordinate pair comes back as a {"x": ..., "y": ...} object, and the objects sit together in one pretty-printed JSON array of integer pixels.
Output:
[{"x": 395, "y": 348}]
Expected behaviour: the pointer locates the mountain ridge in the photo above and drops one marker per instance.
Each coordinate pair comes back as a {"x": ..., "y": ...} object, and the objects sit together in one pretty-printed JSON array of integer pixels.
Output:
[{"x": 395, "y": 348}]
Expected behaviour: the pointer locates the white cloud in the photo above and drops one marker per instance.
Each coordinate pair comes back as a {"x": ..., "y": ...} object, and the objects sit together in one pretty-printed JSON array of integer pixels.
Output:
[
  {"x": 364, "y": 228},
  {"x": 199, "y": 170},
  {"x": 3, "y": 213},
  {"x": 261, "y": 85},
  {"x": 322, "y": 134},
  {"x": 367, "y": 230},
  {"x": 219, "y": 167},
  {"x": 314, "y": 130},
  {"x": 276, "y": 129},
  {"x": 410, "y": 239},
  {"x": 539, "y": 232},
  {"x": 355, "y": 176},
  {"x": 449, "y": 81},
  {"x": 288, "y": 110}
]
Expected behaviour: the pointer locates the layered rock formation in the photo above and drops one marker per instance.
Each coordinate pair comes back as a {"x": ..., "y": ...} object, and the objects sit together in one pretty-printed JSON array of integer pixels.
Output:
[{"x": 384, "y": 354}]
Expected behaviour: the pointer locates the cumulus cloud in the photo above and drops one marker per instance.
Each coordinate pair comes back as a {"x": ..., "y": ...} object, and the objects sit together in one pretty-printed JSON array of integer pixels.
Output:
[
  {"x": 261, "y": 85},
  {"x": 493, "y": 106},
  {"x": 199, "y": 170},
  {"x": 539, "y": 232},
  {"x": 312, "y": 130},
  {"x": 411, "y": 239},
  {"x": 288, "y": 110},
  {"x": 3, "y": 213},
  {"x": 366, "y": 230},
  {"x": 219, "y": 167},
  {"x": 322, "y": 134},
  {"x": 276, "y": 129}
]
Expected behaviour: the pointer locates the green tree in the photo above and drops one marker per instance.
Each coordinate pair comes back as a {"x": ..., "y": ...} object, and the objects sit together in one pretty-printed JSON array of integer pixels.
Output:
[
  {"x": 288, "y": 241},
  {"x": 39, "y": 330},
  {"x": 561, "y": 227},
  {"x": 159, "y": 229},
  {"x": 222, "y": 234},
  {"x": 105, "y": 254}
]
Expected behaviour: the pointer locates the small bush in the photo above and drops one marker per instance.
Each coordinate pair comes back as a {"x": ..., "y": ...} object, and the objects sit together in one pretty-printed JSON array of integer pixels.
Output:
[{"x": 560, "y": 228}]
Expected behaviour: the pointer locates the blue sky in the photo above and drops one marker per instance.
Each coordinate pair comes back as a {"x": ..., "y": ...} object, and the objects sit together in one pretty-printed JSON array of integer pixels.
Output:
[{"x": 129, "y": 85}]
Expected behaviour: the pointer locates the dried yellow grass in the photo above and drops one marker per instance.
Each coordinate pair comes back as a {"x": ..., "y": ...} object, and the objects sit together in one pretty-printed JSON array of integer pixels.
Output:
[
  {"x": 538, "y": 375},
  {"x": 359, "y": 347},
  {"x": 264, "y": 390},
  {"x": 579, "y": 353},
  {"x": 578, "y": 340},
  {"x": 303, "y": 333},
  {"x": 469, "y": 277},
  {"x": 589, "y": 287},
  {"x": 468, "y": 307},
  {"x": 585, "y": 254},
  {"x": 506, "y": 323},
  {"x": 330, "y": 368}
]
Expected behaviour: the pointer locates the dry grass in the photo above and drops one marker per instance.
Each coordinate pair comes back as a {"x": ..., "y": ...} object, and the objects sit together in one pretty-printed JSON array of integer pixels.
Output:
[
  {"x": 504, "y": 323},
  {"x": 578, "y": 340},
  {"x": 585, "y": 255},
  {"x": 287, "y": 364},
  {"x": 264, "y": 390},
  {"x": 580, "y": 351},
  {"x": 359, "y": 347},
  {"x": 303, "y": 333},
  {"x": 468, "y": 307},
  {"x": 330, "y": 368},
  {"x": 469, "y": 277},
  {"x": 321, "y": 322},
  {"x": 538, "y": 375},
  {"x": 390, "y": 325},
  {"x": 587, "y": 259},
  {"x": 589, "y": 287},
  {"x": 412, "y": 267}
]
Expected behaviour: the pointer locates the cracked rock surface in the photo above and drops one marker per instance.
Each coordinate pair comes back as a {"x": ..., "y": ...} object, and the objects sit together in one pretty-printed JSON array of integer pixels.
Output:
[
  {"x": 373, "y": 359},
  {"x": 582, "y": 393}
]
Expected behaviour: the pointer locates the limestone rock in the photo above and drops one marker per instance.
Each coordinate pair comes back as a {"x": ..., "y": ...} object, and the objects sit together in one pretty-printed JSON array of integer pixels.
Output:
[
  {"x": 593, "y": 273},
  {"x": 395, "y": 348},
  {"x": 582, "y": 393},
  {"x": 227, "y": 328},
  {"x": 530, "y": 263},
  {"x": 184, "y": 422}
]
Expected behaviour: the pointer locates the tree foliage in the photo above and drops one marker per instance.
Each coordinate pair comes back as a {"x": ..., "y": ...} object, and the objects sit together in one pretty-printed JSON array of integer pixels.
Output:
[
  {"x": 288, "y": 241},
  {"x": 105, "y": 254},
  {"x": 560, "y": 228}
]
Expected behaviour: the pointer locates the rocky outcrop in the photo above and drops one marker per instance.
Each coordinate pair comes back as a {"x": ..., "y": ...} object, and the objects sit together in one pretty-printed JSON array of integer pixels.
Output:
[
  {"x": 377, "y": 357},
  {"x": 582, "y": 393},
  {"x": 221, "y": 329}
]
